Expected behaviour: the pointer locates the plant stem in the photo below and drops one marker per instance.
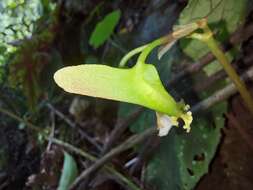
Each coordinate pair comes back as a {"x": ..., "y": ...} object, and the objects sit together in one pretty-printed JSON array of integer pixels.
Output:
[
  {"x": 86, "y": 155},
  {"x": 240, "y": 35},
  {"x": 131, "y": 54},
  {"x": 146, "y": 49},
  {"x": 21, "y": 120},
  {"x": 169, "y": 38},
  {"x": 221, "y": 94},
  {"x": 143, "y": 56},
  {"x": 129, "y": 143},
  {"x": 240, "y": 85},
  {"x": 214, "y": 46}
]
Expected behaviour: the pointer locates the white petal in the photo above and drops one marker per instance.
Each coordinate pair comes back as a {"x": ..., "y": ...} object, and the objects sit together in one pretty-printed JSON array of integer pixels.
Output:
[
  {"x": 164, "y": 130},
  {"x": 164, "y": 123}
]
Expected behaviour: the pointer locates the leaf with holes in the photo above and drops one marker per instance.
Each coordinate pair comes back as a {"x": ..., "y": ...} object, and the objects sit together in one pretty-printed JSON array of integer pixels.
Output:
[{"x": 182, "y": 159}]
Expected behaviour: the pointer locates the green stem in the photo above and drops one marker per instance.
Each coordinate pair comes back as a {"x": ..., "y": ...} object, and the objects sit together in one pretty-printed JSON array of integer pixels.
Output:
[
  {"x": 131, "y": 54},
  {"x": 169, "y": 38},
  {"x": 143, "y": 56},
  {"x": 213, "y": 45}
]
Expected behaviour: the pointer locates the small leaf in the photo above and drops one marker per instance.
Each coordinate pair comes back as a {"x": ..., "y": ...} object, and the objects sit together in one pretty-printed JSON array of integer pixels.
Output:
[
  {"x": 69, "y": 172},
  {"x": 104, "y": 29}
]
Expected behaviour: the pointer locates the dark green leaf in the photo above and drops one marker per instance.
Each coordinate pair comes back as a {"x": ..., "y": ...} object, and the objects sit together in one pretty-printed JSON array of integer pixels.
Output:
[
  {"x": 183, "y": 159},
  {"x": 146, "y": 120},
  {"x": 223, "y": 17},
  {"x": 2, "y": 49}
]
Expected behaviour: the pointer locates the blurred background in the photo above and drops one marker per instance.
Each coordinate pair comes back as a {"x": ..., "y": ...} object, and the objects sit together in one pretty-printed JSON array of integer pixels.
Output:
[{"x": 51, "y": 139}]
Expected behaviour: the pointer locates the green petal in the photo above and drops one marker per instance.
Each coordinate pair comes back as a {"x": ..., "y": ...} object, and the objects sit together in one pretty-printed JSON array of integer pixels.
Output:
[
  {"x": 138, "y": 85},
  {"x": 98, "y": 81}
]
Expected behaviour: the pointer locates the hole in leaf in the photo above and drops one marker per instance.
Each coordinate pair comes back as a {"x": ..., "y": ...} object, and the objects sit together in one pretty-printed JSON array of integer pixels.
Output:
[
  {"x": 190, "y": 172},
  {"x": 199, "y": 157}
]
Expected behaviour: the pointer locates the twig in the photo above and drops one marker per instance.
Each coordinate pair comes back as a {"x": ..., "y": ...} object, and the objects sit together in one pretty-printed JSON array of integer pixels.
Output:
[
  {"x": 61, "y": 115},
  {"x": 221, "y": 94},
  {"x": 16, "y": 117},
  {"x": 237, "y": 37},
  {"x": 4, "y": 184},
  {"x": 200, "y": 86},
  {"x": 73, "y": 125},
  {"x": 52, "y": 131},
  {"x": 120, "y": 128},
  {"x": 145, "y": 152},
  {"x": 133, "y": 140},
  {"x": 70, "y": 147},
  {"x": 205, "y": 104},
  {"x": 93, "y": 158}
]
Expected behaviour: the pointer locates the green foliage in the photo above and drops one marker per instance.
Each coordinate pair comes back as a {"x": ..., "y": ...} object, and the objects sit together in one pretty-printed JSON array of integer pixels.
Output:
[
  {"x": 223, "y": 17},
  {"x": 146, "y": 120},
  {"x": 18, "y": 44},
  {"x": 16, "y": 23},
  {"x": 214, "y": 67},
  {"x": 104, "y": 29},
  {"x": 69, "y": 172},
  {"x": 183, "y": 159},
  {"x": 27, "y": 67},
  {"x": 29, "y": 54}
]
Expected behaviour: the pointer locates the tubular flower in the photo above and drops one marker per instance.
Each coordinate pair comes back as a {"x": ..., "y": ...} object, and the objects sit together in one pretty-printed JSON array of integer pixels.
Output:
[{"x": 140, "y": 85}]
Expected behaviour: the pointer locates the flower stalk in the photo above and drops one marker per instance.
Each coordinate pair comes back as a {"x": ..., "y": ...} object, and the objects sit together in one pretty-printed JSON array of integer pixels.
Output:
[{"x": 213, "y": 45}]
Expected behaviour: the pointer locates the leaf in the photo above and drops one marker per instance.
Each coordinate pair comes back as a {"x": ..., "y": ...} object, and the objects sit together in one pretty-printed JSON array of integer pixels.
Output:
[
  {"x": 137, "y": 85},
  {"x": 104, "y": 29},
  {"x": 2, "y": 49},
  {"x": 146, "y": 120},
  {"x": 223, "y": 17},
  {"x": 69, "y": 172},
  {"x": 214, "y": 66},
  {"x": 183, "y": 159}
]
